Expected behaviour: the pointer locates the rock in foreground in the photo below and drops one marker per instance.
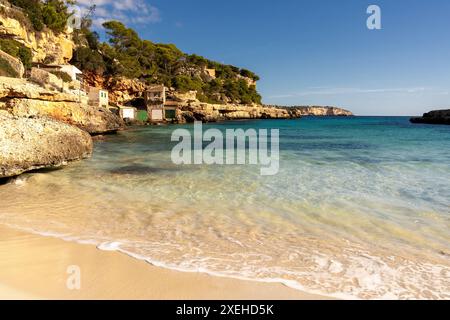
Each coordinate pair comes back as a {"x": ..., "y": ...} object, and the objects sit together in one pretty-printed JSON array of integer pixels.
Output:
[
  {"x": 434, "y": 117},
  {"x": 28, "y": 144}
]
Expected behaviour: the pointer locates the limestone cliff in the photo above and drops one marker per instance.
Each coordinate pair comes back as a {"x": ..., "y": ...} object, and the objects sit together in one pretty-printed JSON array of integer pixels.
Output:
[
  {"x": 46, "y": 46},
  {"x": 121, "y": 90},
  {"x": 205, "y": 112},
  {"x": 22, "y": 98},
  {"x": 319, "y": 111},
  {"x": 191, "y": 109}
]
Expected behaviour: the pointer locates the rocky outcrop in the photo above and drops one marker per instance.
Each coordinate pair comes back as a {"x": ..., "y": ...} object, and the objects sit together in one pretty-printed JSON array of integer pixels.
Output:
[
  {"x": 316, "y": 111},
  {"x": 434, "y": 117},
  {"x": 46, "y": 79},
  {"x": 46, "y": 46},
  {"x": 29, "y": 144},
  {"x": 14, "y": 63},
  {"x": 205, "y": 112},
  {"x": 24, "y": 99},
  {"x": 23, "y": 89},
  {"x": 191, "y": 109},
  {"x": 121, "y": 90}
]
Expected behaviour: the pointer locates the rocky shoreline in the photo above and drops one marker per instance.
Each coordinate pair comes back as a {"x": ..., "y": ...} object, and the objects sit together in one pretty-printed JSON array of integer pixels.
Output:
[
  {"x": 434, "y": 117},
  {"x": 213, "y": 112},
  {"x": 319, "y": 111},
  {"x": 34, "y": 143},
  {"x": 43, "y": 128},
  {"x": 122, "y": 91},
  {"x": 46, "y": 121}
]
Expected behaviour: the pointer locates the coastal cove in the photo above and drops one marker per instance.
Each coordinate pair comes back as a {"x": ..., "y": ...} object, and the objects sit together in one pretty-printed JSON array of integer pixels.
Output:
[
  {"x": 359, "y": 208},
  {"x": 206, "y": 151}
]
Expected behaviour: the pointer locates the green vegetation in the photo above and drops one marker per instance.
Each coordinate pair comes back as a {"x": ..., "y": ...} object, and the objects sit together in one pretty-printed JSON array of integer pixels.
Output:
[
  {"x": 17, "y": 50},
  {"x": 62, "y": 75},
  {"x": 127, "y": 55},
  {"x": 6, "y": 70},
  {"x": 51, "y": 13}
]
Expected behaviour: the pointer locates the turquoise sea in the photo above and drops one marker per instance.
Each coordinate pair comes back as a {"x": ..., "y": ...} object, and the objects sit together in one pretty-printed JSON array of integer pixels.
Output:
[{"x": 360, "y": 207}]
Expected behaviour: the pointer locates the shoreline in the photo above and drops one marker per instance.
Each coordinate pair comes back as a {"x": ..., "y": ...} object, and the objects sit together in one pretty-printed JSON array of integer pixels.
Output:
[{"x": 35, "y": 267}]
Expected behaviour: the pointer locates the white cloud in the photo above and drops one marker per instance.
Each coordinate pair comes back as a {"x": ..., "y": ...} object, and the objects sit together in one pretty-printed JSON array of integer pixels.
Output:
[{"x": 126, "y": 11}]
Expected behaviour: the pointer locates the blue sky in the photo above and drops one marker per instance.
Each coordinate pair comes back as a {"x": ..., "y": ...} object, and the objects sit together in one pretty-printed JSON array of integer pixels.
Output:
[{"x": 312, "y": 52}]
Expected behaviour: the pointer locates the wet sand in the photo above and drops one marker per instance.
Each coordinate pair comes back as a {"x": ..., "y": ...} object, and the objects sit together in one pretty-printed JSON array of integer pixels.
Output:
[{"x": 36, "y": 267}]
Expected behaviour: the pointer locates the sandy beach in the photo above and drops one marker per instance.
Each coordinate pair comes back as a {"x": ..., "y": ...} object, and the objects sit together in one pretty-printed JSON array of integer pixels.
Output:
[{"x": 35, "y": 267}]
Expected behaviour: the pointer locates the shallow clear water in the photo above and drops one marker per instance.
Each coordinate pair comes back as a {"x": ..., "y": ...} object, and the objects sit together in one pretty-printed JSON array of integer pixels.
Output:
[{"x": 360, "y": 206}]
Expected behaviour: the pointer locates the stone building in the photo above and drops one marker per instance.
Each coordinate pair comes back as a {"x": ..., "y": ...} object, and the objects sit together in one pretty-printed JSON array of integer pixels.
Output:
[
  {"x": 98, "y": 97},
  {"x": 155, "y": 98}
]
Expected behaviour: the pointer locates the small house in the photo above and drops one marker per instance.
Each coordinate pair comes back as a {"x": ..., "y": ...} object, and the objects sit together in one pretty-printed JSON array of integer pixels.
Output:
[
  {"x": 155, "y": 95},
  {"x": 98, "y": 97},
  {"x": 155, "y": 98}
]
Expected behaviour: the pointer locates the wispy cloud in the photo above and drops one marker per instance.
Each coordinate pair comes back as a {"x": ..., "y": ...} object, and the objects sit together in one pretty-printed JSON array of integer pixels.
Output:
[
  {"x": 126, "y": 11},
  {"x": 326, "y": 91}
]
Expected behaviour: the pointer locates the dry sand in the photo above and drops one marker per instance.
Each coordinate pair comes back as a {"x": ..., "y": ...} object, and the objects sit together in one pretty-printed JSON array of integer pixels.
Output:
[{"x": 35, "y": 267}]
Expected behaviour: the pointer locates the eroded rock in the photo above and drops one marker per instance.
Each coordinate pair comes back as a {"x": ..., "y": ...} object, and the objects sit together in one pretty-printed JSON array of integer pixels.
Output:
[
  {"x": 25, "y": 99},
  {"x": 35, "y": 143}
]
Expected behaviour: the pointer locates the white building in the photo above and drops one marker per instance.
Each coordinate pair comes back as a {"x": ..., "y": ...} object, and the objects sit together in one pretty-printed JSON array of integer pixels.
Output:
[
  {"x": 71, "y": 70},
  {"x": 98, "y": 97}
]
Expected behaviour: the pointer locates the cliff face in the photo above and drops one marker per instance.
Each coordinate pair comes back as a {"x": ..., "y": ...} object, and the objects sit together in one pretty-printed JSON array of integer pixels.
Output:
[
  {"x": 122, "y": 91},
  {"x": 216, "y": 112},
  {"x": 316, "y": 111},
  {"x": 194, "y": 110},
  {"x": 45, "y": 46},
  {"x": 322, "y": 111},
  {"x": 24, "y": 99}
]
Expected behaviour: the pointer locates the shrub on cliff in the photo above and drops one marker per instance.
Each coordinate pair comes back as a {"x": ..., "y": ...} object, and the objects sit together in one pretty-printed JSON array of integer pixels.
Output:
[
  {"x": 185, "y": 83},
  {"x": 62, "y": 75},
  {"x": 33, "y": 9},
  {"x": 55, "y": 14},
  {"x": 88, "y": 60},
  {"x": 17, "y": 50},
  {"x": 50, "y": 13},
  {"x": 248, "y": 74}
]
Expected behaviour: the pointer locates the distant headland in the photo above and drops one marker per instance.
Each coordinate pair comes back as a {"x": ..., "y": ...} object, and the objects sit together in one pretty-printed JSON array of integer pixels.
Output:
[{"x": 434, "y": 117}]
